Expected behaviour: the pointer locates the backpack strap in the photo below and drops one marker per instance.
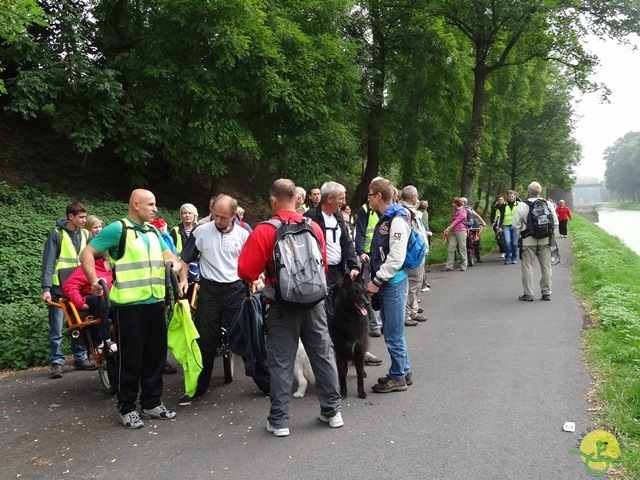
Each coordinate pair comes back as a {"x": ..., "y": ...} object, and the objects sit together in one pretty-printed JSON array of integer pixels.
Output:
[
  {"x": 123, "y": 238},
  {"x": 59, "y": 232}
]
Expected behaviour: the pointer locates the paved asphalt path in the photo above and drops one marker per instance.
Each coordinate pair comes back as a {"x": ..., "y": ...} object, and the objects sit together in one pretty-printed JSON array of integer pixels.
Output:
[{"x": 494, "y": 381}]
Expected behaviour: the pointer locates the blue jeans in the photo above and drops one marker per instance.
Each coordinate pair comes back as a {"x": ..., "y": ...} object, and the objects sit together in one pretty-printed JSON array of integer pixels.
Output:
[
  {"x": 510, "y": 236},
  {"x": 393, "y": 302},
  {"x": 56, "y": 323}
]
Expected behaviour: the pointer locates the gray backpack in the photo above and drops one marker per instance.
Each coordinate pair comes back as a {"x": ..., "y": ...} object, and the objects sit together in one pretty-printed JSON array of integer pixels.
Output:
[{"x": 298, "y": 267}]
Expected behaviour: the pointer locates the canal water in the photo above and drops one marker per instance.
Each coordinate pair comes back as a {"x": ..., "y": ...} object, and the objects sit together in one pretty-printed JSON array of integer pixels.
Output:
[{"x": 624, "y": 224}]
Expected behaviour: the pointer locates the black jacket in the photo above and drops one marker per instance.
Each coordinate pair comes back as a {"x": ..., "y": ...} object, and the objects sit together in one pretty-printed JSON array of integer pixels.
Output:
[{"x": 346, "y": 245}]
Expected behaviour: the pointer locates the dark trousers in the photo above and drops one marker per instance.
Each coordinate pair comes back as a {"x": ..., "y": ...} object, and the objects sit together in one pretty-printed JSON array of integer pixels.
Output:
[
  {"x": 563, "y": 227},
  {"x": 99, "y": 309},
  {"x": 142, "y": 348},
  {"x": 217, "y": 304}
]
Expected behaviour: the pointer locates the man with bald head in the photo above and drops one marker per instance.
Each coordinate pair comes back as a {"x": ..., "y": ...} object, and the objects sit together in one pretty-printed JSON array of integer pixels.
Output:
[
  {"x": 137, "y": 297},
  {"x": 218, "y": 245}
]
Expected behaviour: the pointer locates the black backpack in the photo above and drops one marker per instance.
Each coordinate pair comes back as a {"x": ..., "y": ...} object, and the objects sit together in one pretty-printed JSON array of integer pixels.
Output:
[
  {"x": 298, "y": 266},
  {"x": 540, "y": 222}
]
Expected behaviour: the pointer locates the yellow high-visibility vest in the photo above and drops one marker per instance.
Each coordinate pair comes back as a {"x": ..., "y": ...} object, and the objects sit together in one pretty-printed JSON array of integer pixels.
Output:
[
  {"x": 68, "y": 256},
  {"x": 140, "y": 272},
  {"x": 372, "y": 221}
]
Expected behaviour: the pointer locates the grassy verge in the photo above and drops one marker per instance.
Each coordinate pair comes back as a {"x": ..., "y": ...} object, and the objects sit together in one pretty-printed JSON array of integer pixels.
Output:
[
  {"x": 624, "y": 206},
  {"x": 606, "y": 276}
]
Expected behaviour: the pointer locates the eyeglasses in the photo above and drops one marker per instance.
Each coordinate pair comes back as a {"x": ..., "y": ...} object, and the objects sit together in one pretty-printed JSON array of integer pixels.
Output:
[{"x": 372, "y": 194}]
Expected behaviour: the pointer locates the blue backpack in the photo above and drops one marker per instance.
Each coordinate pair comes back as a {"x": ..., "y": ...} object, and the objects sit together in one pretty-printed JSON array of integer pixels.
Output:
[{"x": 416, "y": 249}]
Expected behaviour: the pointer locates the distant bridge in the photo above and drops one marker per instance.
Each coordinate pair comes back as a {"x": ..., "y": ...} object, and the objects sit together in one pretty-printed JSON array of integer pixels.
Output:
[{"x": 587, "y": 185}]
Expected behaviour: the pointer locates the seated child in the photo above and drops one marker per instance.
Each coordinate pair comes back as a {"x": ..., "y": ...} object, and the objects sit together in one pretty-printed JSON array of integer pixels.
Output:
[{"x": 78, "y": 290}]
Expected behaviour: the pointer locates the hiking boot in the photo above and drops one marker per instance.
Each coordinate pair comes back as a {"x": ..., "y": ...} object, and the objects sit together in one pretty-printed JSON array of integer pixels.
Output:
[
  {"x": 371, "y": 360},
  {"x": 188, "y": 400},
  {"x": 426, "y": 288},
  {"x": 410, "y": 323},
  {"x": 56, "y": 370},
  {"x": 376, "y": 332},
  {"x": 525, "y": 298},
  {"x": 420, "y": 318},
  {"x": 334, "y": 422},
  {"x": 85, "y": 364},
  {"x": 278, "y": 432},
  {"x": 169, "y": 369},
  {"x": 546, "y": 297},
  {"x": 160, "y": 412},
  {"x": 390, "y": 385},
  {"x": 131, "y": 420},
  {"x": 407, "y": 378}
]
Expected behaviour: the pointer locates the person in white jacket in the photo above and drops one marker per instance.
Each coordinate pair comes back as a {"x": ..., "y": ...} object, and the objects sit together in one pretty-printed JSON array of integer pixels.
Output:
[{"x": 389, "y": 283}]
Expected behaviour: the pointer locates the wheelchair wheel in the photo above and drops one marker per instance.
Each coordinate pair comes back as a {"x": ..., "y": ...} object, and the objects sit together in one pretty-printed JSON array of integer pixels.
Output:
[
  {"x": 108, "y": 369},
  {"x": 227, "y": 366}
]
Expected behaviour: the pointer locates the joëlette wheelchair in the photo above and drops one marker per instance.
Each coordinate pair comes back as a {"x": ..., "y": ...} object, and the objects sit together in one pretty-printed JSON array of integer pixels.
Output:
[{"x": 83, "y": 328}]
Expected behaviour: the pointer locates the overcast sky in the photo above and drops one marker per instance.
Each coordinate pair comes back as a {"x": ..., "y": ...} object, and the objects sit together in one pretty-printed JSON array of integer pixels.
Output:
[{"x": 600, "y": 125}]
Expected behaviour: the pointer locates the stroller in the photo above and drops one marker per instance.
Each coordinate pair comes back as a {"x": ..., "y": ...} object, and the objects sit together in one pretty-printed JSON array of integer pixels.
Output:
[{"x": 474, "y": 245}]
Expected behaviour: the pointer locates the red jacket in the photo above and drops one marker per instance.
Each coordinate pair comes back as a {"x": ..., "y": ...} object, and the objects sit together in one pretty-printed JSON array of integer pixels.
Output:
[
  {"x": 257, "y": 254},
  {"x": 77, "y": 287},
  {"x": 563, "y": 213}
]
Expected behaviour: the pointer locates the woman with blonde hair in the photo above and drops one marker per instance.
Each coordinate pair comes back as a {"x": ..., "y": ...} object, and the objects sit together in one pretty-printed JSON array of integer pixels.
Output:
[
  {"x": 181, "y": 232},
  {"x": 94, "y": 225}
]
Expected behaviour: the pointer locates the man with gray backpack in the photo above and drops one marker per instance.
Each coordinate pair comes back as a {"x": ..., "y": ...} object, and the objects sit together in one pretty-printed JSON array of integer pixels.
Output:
[
  {"x": 536, "y": 221},
  {"x": 291, "y": 251}
]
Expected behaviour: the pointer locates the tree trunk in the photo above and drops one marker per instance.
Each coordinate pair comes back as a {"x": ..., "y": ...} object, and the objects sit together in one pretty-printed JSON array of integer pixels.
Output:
[
  {"x": 411, "y": 134},
  {"x": 471, "y": 160},
  {"x": 374, "y": 120}
]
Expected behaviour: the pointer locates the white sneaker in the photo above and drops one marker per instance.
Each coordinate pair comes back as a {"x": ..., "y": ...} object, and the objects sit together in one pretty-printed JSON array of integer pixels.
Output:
[
  {"x": 113, "y": 347},
  {"x": 160, "y": 412},
  {"x": 278, "y": 432},
  {"x": 334, "y": 422},
  {"x": 502, "y": 255},
  {"x": 131, "y": 420}
]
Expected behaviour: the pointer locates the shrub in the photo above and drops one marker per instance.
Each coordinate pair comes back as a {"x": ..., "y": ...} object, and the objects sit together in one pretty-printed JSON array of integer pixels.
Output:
[{"x": 24, "y": 333}]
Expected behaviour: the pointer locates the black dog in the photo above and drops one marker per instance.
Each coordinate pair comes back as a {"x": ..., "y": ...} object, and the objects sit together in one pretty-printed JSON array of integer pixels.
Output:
[{"x": 348, "y": 328}]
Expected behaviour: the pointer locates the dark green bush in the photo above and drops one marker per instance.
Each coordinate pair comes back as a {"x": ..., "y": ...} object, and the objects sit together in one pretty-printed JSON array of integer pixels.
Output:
[{"x": 24, "y": 334}]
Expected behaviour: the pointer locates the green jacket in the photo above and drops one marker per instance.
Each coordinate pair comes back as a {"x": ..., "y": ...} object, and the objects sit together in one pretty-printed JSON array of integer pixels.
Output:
[{"x": 181, "y": 339}]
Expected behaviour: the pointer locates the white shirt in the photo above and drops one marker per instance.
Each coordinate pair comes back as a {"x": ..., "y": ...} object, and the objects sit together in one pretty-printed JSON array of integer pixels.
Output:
[
  {"x": 219, "y": 251},
  {"x": 332, "y": 237}
]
